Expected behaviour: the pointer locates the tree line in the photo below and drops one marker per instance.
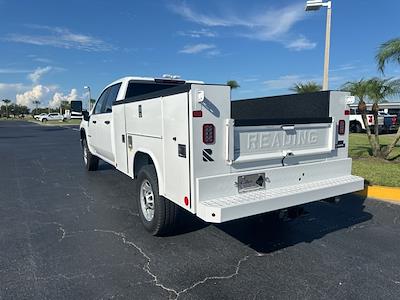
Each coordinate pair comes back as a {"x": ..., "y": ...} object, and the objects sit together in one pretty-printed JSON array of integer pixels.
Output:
[{"x": 375, "y": 90}]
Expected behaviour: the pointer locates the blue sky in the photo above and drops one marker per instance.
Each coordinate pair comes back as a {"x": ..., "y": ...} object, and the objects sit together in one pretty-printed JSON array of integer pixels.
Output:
[{"x": 51, "y": 49}]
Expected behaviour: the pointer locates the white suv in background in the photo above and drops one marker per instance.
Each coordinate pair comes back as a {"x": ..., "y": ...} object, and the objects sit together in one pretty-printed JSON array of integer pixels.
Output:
[{"x": 51, "y": 117}]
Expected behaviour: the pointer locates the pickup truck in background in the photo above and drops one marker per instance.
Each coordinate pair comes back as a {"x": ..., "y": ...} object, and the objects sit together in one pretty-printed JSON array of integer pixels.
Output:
[
  {"x": 356, "y": 122},
  {"x": 188, "y": 146},
  {"x": 386, "y": 123},
  {"x": 390, "y": 122}
]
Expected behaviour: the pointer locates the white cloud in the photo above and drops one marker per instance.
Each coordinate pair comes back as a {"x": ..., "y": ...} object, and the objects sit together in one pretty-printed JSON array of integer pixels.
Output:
[
  {"x": 300, "y": 44},
  {"x": 8, "y": 90},
  {"x": 38, "y": 92},
  {"x": 61, "y": 38},
  {"x": 282, "y": 82},
  {"x": 287, "y": 81},
  {"x": 198, "y": 33},
  {"x": 198, "y": 48},
  {"x": 38, "y": 73},
  {"x": 273, "y": 24},
  {"x": 14, "y": 71},
  {"x": 59, "y": 97}
]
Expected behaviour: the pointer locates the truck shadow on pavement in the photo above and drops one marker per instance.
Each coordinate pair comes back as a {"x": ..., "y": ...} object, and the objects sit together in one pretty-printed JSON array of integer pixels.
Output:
[{"x": 267, "y": 233}]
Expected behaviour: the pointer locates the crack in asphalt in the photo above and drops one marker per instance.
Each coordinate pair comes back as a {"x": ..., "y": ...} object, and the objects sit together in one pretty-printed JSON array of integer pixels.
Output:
[
  {"x": 146, "y": 267},
  {"x": 174, "y": 292},
  {"x": 237, "y": 269}
]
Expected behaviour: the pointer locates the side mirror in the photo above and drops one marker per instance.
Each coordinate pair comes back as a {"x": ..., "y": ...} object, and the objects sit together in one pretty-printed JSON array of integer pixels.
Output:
[{"x": 85, "y": 115}]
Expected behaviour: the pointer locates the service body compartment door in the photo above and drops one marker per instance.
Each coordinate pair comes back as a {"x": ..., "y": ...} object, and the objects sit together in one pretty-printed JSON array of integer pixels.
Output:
[{"x": 176, "y": 149}]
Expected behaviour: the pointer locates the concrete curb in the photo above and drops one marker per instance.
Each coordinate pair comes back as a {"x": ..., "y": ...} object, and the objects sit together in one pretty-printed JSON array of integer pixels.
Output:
[{"x": 382, "y": 192}]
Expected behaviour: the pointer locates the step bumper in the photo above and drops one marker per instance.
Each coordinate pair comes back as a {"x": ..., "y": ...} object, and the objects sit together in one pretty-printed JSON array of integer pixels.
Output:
[{"x": 251, "y": 203}]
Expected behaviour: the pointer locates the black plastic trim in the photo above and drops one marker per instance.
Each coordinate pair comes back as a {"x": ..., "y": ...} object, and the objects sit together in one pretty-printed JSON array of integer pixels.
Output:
[
  {"x": 292, "y": 121},
  {"x": 183, "y": 88}
]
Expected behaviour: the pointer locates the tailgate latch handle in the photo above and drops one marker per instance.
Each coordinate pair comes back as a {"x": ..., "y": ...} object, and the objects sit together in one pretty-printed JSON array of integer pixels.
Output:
[{"x": 288, "y": 127}]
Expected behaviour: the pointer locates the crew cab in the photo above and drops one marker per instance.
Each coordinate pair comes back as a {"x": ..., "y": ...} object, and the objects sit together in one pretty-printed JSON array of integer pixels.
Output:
[{"x": 188, "y": 146}]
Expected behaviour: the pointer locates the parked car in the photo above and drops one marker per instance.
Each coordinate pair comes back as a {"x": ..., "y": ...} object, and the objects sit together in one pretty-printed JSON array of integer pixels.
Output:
[
  {"x": 51, "y": 117},
  {"x": 36, "y": 117},
  {"x": 190, "y": 147}
]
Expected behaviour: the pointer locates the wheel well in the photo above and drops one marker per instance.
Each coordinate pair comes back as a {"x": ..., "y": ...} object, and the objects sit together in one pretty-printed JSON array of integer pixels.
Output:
[
  {"x": 141, "y": 159},
  {"x": 83, "y": 134}
]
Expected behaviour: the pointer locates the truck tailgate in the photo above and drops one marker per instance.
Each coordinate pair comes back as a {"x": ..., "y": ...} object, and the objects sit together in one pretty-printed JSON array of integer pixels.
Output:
[{"x": 252, "y": 143}]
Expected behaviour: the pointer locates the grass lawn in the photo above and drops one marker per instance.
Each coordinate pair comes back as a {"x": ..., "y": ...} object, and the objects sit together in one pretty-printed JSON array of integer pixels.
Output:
[
  {"x": 375, "y": 171},
  {"x": 58, "y": 123}
]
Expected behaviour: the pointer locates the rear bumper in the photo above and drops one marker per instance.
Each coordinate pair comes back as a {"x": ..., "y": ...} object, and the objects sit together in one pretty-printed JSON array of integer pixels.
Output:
[
  {"x": 252, "y": 203},
  {"x": 282, "y": 194}
]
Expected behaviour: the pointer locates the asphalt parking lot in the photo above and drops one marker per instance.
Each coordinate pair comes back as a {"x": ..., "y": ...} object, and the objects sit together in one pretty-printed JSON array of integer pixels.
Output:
[{"x": 69, "y": 234}]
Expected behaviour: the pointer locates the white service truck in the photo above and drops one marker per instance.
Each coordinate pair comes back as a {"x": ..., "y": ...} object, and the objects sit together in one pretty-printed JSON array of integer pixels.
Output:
[{"x": 188, "y": 145}]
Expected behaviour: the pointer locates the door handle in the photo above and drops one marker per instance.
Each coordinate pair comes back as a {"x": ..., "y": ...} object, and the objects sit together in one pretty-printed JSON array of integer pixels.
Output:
[
  {"x": 94, "y": 122},
  {"x": 107, "y": 122},
  {"x": 140, "y": 111}
]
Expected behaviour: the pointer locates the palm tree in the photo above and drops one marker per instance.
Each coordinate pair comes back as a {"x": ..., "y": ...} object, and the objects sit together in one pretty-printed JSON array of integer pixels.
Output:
[
  {"x": 360, "y": 90},
  {"x": 233, "y": 84},
  {"x": 378, "y": 90},
  {"x": 307, "y": 87},
  {"x": 6, "y": 102},
  {"x": 388, "y": 52}
]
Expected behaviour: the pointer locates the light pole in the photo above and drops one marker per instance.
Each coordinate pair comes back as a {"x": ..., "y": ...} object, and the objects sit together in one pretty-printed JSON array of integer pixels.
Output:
[
  {"x": 90, "y": 96},
  {"x": 36, "y": 102},
  {"x": 316, "y": 5}
]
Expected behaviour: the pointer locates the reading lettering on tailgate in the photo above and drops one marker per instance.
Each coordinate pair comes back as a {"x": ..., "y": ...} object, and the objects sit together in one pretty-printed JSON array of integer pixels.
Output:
[
  {"x": 275, "y": 139},
  {"x": 267, "y": 140}
]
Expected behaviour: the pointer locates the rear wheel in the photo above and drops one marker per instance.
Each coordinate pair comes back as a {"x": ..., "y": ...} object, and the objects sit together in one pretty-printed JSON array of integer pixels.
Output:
[
  {"x": 91, "y": 161},
  {"x": 158, "y": 214},
  {"x": 355, "y": 127}
]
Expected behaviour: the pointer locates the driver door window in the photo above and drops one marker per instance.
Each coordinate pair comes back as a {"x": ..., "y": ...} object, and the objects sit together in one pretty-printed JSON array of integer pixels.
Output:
[{"x": 103, "y": 123}]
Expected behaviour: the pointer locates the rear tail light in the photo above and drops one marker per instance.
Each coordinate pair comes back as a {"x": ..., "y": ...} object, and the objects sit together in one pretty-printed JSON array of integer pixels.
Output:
[
  {"x": 208, "y": 134},
  {"x": 342, "y": 127},
  {"x": 394, "y": 120},
  {"x": 347, "y": 112}
]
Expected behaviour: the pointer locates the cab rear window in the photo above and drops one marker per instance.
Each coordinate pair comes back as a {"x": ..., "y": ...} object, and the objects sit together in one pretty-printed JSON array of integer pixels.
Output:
[{"x": 141, "y": 88}]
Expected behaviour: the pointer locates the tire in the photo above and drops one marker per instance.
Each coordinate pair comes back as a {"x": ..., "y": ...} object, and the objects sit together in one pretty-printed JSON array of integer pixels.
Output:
[
  {"x": 355, "y": 127},
  {"x": 44, "y": 120},
  {"x": 157, "y": 213},
  {"x": 91, "y": 161}
]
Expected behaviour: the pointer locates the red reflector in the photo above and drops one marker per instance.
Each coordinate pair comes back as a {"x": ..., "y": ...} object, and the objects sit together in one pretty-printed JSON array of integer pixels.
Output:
[
  {"x": 394, "y": 120},
  {"x": 342, "y": 127},
  {"x": 208, "y": 134},
  {"x": 197, "y": 114},
  {"x": 346, "y": 112},
  {"x": 186, "y": 200}
]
